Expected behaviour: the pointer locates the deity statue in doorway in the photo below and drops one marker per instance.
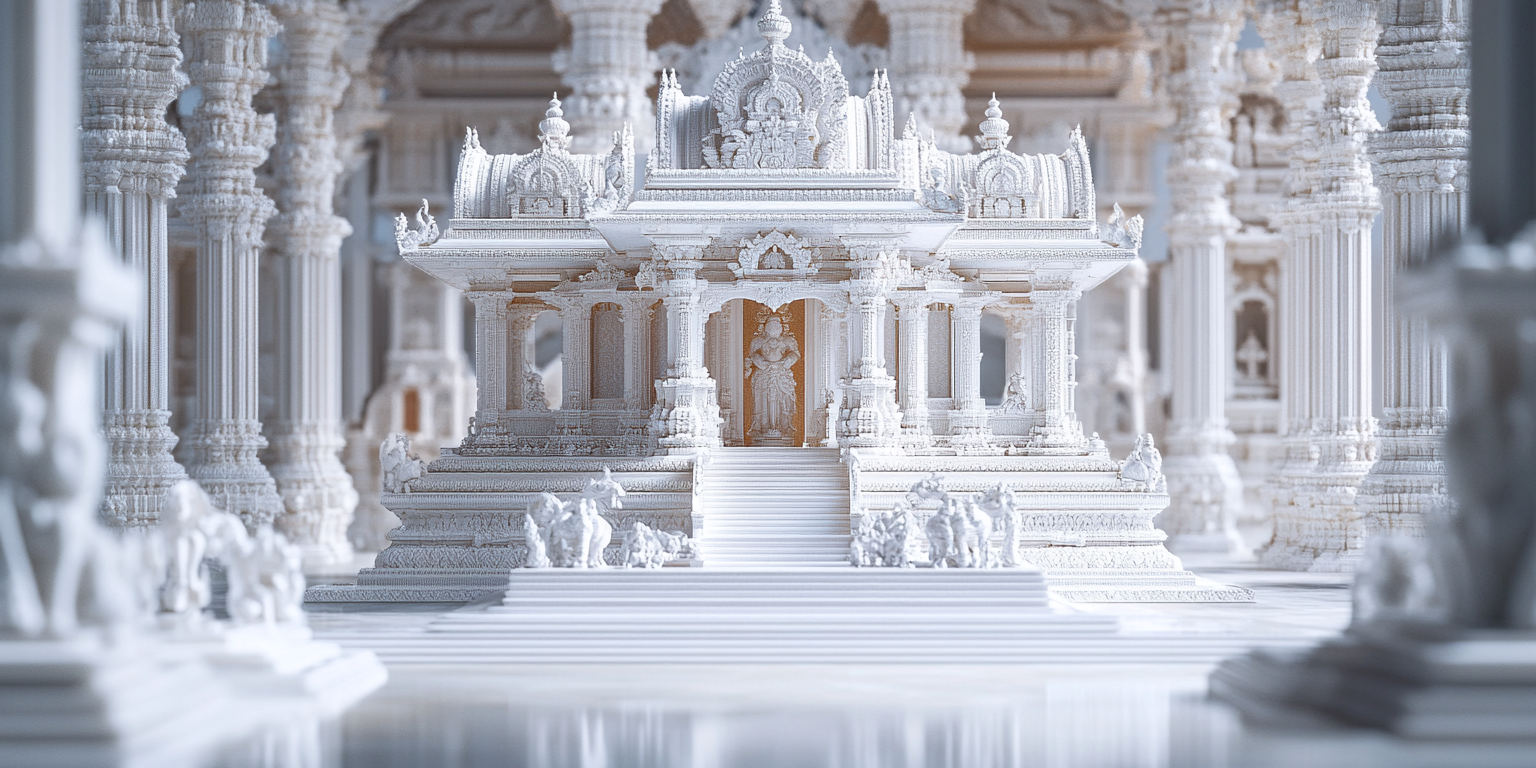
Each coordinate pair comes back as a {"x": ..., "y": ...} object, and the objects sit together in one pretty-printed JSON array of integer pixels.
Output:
[{"x": 770, "y": 360}]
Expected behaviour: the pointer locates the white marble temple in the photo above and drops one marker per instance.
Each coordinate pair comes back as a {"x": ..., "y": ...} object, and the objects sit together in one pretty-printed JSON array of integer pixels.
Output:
[{"x": 665, "y": 285}]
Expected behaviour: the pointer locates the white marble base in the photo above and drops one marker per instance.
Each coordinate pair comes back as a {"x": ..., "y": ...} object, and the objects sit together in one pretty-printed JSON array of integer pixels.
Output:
[
  {"x": 285, "y": 661},
  {"x": 1142, "y": 586},
  {"x": 83, "y": 702},
  {"x": 1419, "y": 682}
]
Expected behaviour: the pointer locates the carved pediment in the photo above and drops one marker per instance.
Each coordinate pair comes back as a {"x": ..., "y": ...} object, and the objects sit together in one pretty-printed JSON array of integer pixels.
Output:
[
  {"x": 777, "y": 108},
  {"x": 546, "y": 182},
  {"x": 1006, "y": 186},
  {"x": 775, "y": 255}
]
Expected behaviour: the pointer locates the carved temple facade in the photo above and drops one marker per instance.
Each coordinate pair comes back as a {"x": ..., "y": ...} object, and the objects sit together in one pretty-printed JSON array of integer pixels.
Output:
[{"x": 784, "y": 231}]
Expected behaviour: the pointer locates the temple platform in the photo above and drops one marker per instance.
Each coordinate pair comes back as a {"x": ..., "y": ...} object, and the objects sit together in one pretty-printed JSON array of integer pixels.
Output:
[
  {"x": 806, "y": 614},
  {"x": 782, "y": 615},
  {"x": 1088, "y": 529}
]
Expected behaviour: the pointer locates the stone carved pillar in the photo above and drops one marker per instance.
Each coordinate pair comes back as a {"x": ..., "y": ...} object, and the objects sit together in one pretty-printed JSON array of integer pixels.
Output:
[
  {"x": 1294, "y": 48},
  {"x": 1200, "y": 47},
  {"x": 495, "y": 375},
  {"x": 607, "y": 68},
  {"x": 133, "y": 160},
  {"x": 226, "y": 44},
  {"x": 1321, "y": 529},
  {"x": 518, "y": 358},
  {"x": 686, "y": 417},
  {"x": 1053, "y": 312},
  {"x": 576, "y": 357},
  {"x": 929, "y": 65},
  {"x": 968, "y": 430},
  {"x": 637, "y": 352},
  {"x": 1421, "y": 165},
  {"x": 306, "y": 430},
  {"x": 873, "y": 420},
  {"x": 912, "y": 379}
]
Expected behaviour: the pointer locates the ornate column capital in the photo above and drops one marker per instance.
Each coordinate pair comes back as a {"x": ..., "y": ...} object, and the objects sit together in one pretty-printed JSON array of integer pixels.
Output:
[
  {"x": 126, "y": 144},
  {"x": 1198, "y": 69},
  {"x": 930, "y": 66},
  {"x": 1424, "y": 72},
  {"x": 607, "y": 68}
]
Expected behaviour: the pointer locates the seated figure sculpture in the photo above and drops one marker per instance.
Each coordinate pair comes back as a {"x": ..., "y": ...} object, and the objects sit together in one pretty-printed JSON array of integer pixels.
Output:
[{"x": 1145, "y": 463}]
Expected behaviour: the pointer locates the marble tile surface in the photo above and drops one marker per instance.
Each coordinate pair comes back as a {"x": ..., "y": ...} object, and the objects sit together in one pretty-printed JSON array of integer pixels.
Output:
[{"x": 942, "y": 715}]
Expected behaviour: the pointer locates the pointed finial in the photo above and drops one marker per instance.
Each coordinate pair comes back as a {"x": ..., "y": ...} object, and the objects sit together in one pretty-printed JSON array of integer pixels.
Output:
[
  {"x": 774, "y": 26},
  {"x": 554, "y": 131},
  {"x": 910, "y": 132},
  {"x": 994, "y": 129}
]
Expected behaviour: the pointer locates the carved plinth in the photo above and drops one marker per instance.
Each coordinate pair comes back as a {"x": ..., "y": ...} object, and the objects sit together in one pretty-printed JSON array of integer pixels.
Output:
[
  {"x": 84, "y": 702},
  {"x": 140, "y": 469},
  {"x": 1088, "y": 527},
  {"x": 1419, "y": 681},
  {"x": 1203, "y": 489},
  {"x": 870, "y": 418},
  {"x": 461, "y": 523},
  {"x": 686, "y": 418}
]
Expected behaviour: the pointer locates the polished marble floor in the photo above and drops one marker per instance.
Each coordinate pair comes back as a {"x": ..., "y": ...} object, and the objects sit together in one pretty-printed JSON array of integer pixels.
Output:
[{"x": 946, "y": 714}]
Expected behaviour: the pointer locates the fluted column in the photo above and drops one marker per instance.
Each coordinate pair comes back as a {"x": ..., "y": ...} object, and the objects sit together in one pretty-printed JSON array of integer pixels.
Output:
[
  {"x": 519, "y": 358},
  {"x": 607, "y": 68},
  {"x": 1200, "y": 47},
  {"x": 968, "y": 430},
  {"x": 1294, "y": 47},
  {"x": 912, "y": 378},
  {"x": 306, "y": 430},
  {"x": 226, "y": 44},
  {"x": 1421, "y": 166},
  {"x": 1053, "y": 312},
  {"x": 929, "y": 65},
  {"x": 1321, "y": 529},
  {"x": 576, "y": 357},
  {"x": 687, "y": 415},
  {"x": 873, "y": 418},
  {"x": 494, "y": 372},
  {"x": 637, "y": 352},
  {"x": 132, "y": 161}
]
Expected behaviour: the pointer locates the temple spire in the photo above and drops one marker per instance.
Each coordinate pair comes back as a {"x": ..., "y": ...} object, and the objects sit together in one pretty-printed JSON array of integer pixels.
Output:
[
  {"x": 994, "y": 129},
  {"x": 774, "y": 25},
  {"x": 554, "y": 131}
]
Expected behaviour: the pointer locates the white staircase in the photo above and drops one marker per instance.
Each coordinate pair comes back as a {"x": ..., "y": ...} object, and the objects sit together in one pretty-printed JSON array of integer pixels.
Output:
[
  {"x": 765, "y": 507},
  {"x": 693, "y": 615}
]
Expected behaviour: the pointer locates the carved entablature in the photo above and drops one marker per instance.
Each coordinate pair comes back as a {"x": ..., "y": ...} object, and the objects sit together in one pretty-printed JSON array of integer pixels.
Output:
[
  {"x": 549, "y": 182},
  {"x": 775, "y": 255}
]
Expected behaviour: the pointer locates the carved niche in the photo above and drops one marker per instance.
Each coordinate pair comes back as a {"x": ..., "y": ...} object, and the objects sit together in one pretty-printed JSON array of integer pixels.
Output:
[
  {"x": 1006, "y": 186},
  {"x": 777, "y": 109},
  {"x": 775, "y": 255},
  {"x": 546, "y": 182}
]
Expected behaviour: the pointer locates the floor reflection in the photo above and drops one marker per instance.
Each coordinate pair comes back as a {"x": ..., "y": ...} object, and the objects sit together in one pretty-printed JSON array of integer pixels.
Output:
[
  {"x": 819, "y": 717},
  {"x": 944, "y": 717}
]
